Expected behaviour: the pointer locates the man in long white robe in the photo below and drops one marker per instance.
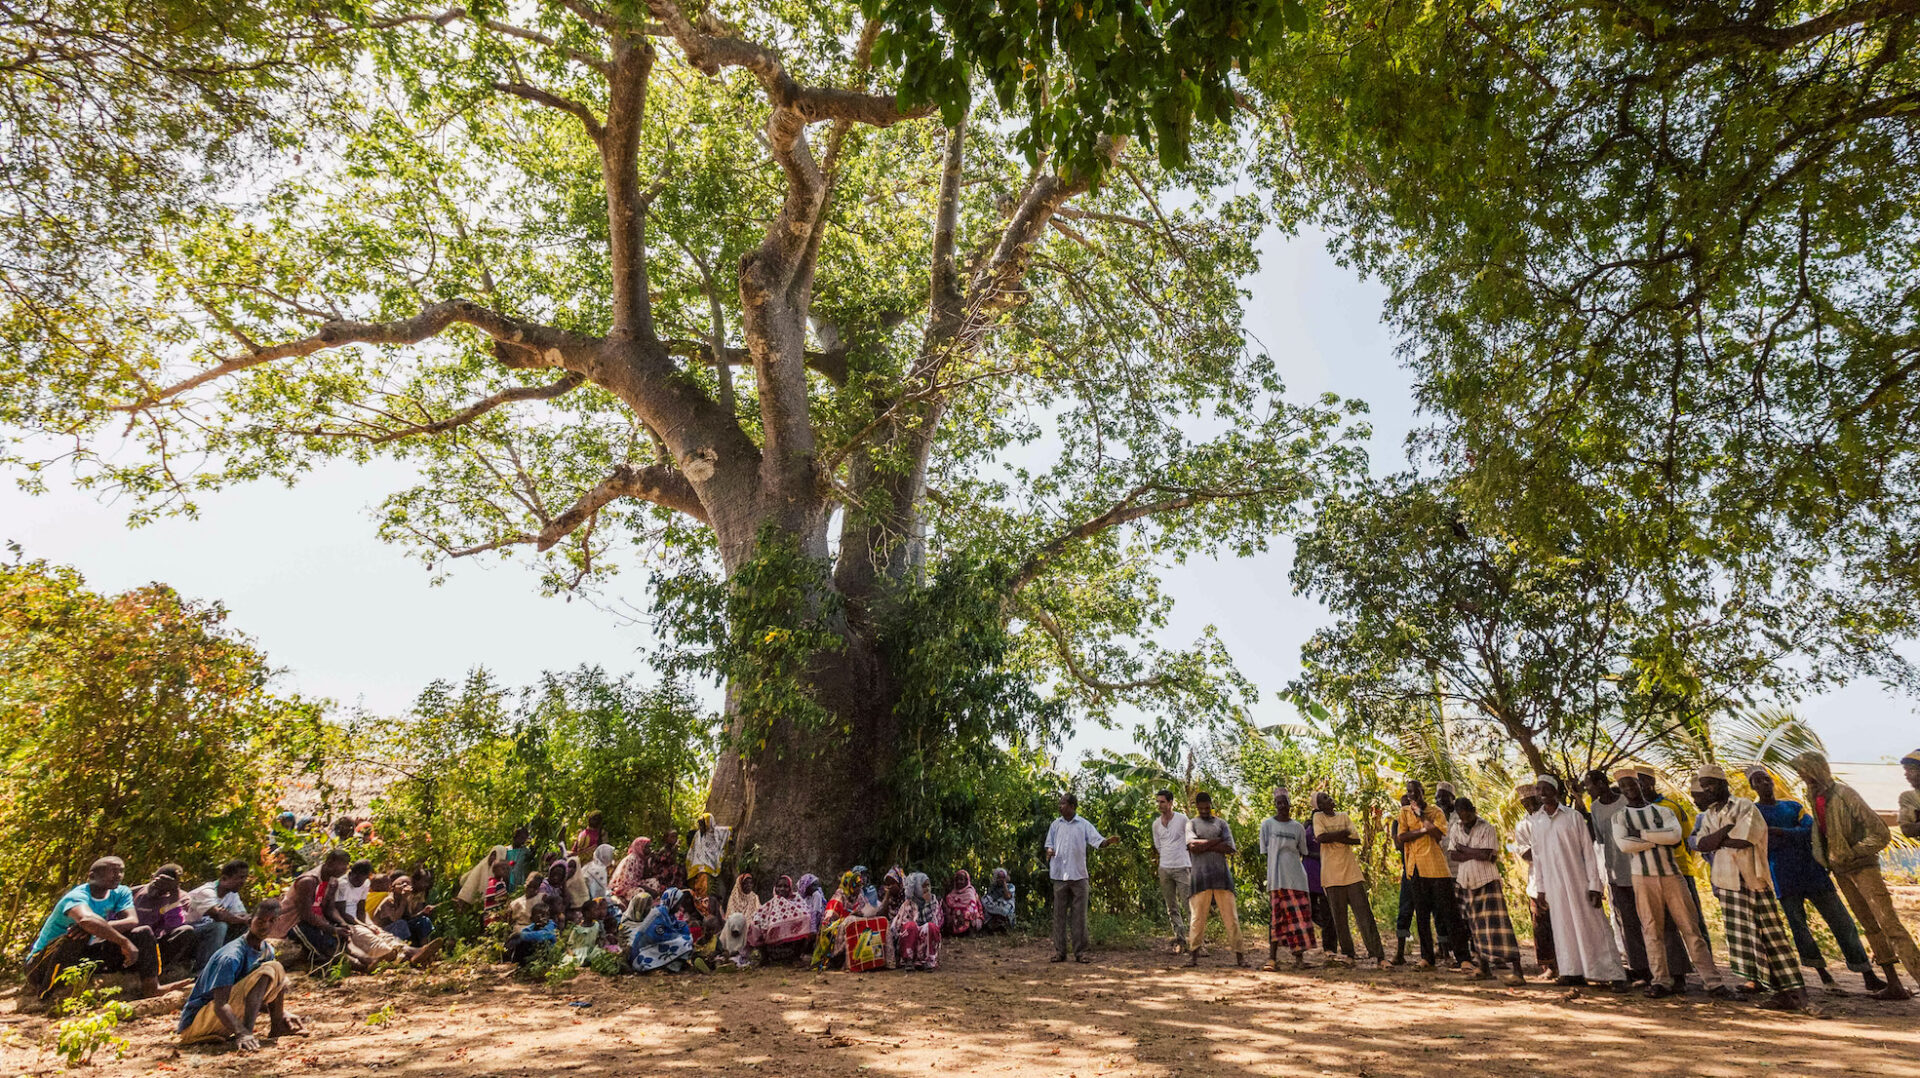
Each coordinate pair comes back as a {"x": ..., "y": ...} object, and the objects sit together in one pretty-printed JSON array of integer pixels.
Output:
[{"x": 1568, "y": 873}]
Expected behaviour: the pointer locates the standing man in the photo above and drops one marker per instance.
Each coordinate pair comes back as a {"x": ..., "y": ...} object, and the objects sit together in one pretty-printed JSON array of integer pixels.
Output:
[
  {"x": 1210, "y": 840},
  {"x": 242, "y": 980},
  {"x": 1648, "y": 835},
  {"x": 1910, "y": 799},
  {"x": 1848, "y": 837},
  {"x": 1607, "y": 803},
  {"x": 1342, "y": 878},
  {"x": 1459, "y": 947},
  {"x": 1571, "y": 886},
  {"x": 1692, "y": 867},
  {"x": 1798, "y": 879},
  {"x": 1529, "y": 797},
  {"x": 1068, "y": 840},
  {"x": 215, "y": 912},
  {"x": 1284, "y": 840},
  {"x": 1472, "y": 844},
  {"x": 1176, "y": 865},
  {"x": 1758, "y": 946},
  {"x": 1422, "y": 829}
]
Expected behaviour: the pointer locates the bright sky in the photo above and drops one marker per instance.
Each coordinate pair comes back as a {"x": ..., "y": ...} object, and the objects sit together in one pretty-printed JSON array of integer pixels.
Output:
[{"x": 354, "y": 620}]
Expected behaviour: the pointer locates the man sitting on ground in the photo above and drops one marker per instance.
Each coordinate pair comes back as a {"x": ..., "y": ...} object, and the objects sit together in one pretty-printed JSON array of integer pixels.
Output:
[
  {"x": 159, "y": 906},
  {"x": 241, "y": 980},
  {"x": 367, "y": 944},
  {"x": 215, "y": 912},
  {"x": 95, "y": 922}
]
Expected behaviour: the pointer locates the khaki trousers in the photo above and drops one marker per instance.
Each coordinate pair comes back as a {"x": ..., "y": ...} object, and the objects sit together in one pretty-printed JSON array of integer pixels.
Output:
[
  {"x": 1866, "y": 894},
  {"x": 1201, "y": 902},
  {"x": 206, "y": 1024},
  {"x": 1665, "y": 905}
]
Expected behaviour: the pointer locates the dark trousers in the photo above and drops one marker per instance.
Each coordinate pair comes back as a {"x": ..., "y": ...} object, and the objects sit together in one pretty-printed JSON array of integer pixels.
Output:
[
  {"x": 178, "y": 946},
  {"x": 1542, "y": 932},
  {"x": 67, "y": 952},
  {"x": 1436, "y": 911},
  {"x": 1323, "y": 917},
  {"x": 319, "y": 942},
  {"x": 1845, "y": 933},
  {"x": 1626, "y": 914},
  {"x": 418, "y": 928},
  {"x": 1403, "y": 917},
  {"x": 1352, "y": 898},
  {"x": 1069, "y": 916}
]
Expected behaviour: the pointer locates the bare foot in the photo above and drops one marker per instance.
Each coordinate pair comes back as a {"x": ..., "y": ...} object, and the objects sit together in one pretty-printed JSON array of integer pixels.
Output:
[
  {"x": 294, "y": 1026},
  {"x": 425, "y": 956},
  {"x": 1893, "y": 992}
]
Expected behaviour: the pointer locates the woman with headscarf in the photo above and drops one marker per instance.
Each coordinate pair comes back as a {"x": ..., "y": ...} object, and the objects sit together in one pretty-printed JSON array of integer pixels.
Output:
[
  {"x": 844, "y": 906},
  {"x": 783, "y": 922},
  {"x": 663, "y": 940},
  {"x": 916, "y": 924},
  {"x": 630, "y": 872},
  {"x": 557, "y": 887},
  {"x": 893, "y": 892},
  {"x": 964, "y": 913},
  {"x": 868, "y": 894},
  {"x": 705, "y": 849},
  {"x": 742, "y": 904},
  {"x": 813, "y": 897},
  {"x": 473, "y": 883},
  {"x": 999, "y": 902},
  {"x": 594, "y": 874}
]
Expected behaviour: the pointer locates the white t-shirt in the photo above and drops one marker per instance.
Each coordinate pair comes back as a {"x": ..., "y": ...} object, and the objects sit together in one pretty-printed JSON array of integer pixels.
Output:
[
  {"x": 1170, "y": 841},
  {"x": 207, "y": 896},
  {"x": 349, "y": 897}
]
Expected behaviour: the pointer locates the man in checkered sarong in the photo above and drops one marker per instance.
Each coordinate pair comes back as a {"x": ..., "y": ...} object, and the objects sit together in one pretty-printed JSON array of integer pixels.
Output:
[
  {"x": 1471, "y": 845},
  {"x": 1284, "y": 840},
  {"x": 1758, "y": 945}
]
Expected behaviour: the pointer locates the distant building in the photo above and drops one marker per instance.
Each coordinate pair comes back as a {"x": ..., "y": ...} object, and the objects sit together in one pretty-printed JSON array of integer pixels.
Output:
[{"x": 1880, "y": 784}]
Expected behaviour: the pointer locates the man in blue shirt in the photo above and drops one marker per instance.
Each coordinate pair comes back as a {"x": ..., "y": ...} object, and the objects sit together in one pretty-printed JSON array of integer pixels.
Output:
[
  {"x": 95, "y": 922},
  {"x": 1068, "y": 840},
  {"x": 1799, "y": 880},
  {"x": 242, "y": 980}
]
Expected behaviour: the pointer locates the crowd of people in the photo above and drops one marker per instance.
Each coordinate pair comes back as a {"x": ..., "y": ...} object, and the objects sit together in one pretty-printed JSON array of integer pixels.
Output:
[
  {"x": 1623, "y": 846},
  {"x": 1616, "y": 843}
]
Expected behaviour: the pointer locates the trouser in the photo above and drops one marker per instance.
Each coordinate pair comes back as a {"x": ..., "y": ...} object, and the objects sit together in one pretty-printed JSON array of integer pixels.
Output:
[
  {"x": 1176, "y": 890},
  {"x": 321, "y": 943},
  {"x": 1634, "y": 937},
  {"x": 210, "y": 935},
  {"x": 206, "y": 1024},
  {"x": 1069, "y": 914},
  {"x": 178, "y": 946},
  {"x": 1543, "y": 952},
  {"x": 1462, "y": 939},
  {"x": 1352, "y": 897},
  {"x": 1229, "y": 918},
  {"x": 1323, "y": 917},
  {"x": 415, "y": 929},
  {"x": 1403, "y": 916},
  {"x": 1668, "y": 914},
  {"x": 1866, "y": 892},
  {"x": 1834, "y": 911},
  {"x": 67, "y": 951},
  {"x": 1435, "y": 910}
]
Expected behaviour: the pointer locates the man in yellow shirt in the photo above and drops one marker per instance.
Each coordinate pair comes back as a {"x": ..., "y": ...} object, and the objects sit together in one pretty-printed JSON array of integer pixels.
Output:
[{"x": 1422, "y": 828}]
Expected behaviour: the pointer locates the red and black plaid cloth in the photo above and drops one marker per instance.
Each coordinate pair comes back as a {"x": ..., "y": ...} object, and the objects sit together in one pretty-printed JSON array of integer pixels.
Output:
[{"x": 1292, "y": 920}]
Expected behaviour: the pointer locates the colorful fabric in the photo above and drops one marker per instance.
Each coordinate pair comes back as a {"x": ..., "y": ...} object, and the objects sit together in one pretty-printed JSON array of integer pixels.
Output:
[
  {"x": 811, "y": 893},
  {"x": 1491, "y": 924},
  {"x": 999, "y": 899},
  {"x": 473, "y": 882},
  {"x": 783, "y": 918},
  {"x": 109, "y": 906},
  {"x": 1423, "y": 856},
  {"x": 868, "y": 943},
  {"x": 705, "y": 847},
  {"x": 663, "y": 940},
  {"x": 1759, "y": 947},
  {"x": 628, "y": 874},
  {"x": 743, "y": 901},
  {"x": 964, "y": 912},
  {"x": 662, "y": 865},
  {"x": 1292, "y": 926},
  {"x": 916, "y": 928}
]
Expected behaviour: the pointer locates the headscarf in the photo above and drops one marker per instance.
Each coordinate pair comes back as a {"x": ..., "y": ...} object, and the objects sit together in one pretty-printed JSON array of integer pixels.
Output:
[
  {"x": 999, "y": 897},
  {"x": 781, "y": 919},
  {"x": 867, "y": 892},
  {"x": 893, "y": 892},
  {"x": 810, "y": 893},
  {"x": 592, "y": 876},
  {"x": 920, "y": 900},
  {"x": 743, "y": 900},
  {"x": 663, "y": 921},
  {"x": 473, "y": 885},
  {"x": 963, "y": 902},
  {"x": 630, "y": 871},
  {"x": 1911, "y": 758},
  {"x": 559, "y": 885},
  {"x": 846, "y": 901}
]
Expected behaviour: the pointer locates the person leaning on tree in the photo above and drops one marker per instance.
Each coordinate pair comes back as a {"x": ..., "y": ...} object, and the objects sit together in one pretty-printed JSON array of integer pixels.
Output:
[
  {"x": 1848, "y": 837},
  {"x": 1068, "y": 840}
]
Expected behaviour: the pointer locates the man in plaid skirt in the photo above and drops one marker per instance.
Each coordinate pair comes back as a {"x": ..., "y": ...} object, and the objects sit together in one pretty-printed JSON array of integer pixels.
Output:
[
  {"x": 1758, "y": 945},
  {"x": 1284, "y": 840},
  {"x": 1471, "y": 845}
]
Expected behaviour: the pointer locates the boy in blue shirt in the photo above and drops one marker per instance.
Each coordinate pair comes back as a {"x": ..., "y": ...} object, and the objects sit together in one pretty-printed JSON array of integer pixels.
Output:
[{"x": 241, "y": 980}]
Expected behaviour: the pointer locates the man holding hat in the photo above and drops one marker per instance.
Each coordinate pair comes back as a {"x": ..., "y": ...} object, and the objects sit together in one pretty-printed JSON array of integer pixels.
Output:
[{"x": 1758, "y": 946}]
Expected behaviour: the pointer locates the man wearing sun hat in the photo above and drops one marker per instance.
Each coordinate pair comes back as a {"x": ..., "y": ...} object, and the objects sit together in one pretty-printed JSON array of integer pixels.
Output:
[
  {"x": 1758, "y": 945},
  {"x": 1528, "y": 794},
  {"x": 1669, "y": 920}
]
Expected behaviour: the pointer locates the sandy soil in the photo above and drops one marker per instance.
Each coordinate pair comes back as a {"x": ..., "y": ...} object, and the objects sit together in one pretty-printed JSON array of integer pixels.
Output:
[{"x": 999, "y": 1007}]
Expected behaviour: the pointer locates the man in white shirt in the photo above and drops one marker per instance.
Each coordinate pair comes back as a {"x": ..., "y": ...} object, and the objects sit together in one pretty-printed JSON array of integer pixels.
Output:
[
  {"x": 1176, "y": 865},
  {"x": 215, "y": 912},
  {"x": 1068, "y": 840},
  {"x": 1471, "y": 847},
  {"x": 1758, "y": 945},
  {"x": 1529, "y": 797}
]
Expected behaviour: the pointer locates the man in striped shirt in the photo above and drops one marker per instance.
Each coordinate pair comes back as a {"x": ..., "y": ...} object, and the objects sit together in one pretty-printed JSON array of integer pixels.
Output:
[{"x": 1648, "y": 834}]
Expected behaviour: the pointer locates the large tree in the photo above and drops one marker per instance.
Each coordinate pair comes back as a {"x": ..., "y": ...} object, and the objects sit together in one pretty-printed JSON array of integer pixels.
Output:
[{"x": 698, "y": 280}]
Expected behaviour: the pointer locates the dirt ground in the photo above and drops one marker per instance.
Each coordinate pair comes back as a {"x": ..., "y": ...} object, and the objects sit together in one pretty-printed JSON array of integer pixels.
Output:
[{"x": 999, "y": 1007}]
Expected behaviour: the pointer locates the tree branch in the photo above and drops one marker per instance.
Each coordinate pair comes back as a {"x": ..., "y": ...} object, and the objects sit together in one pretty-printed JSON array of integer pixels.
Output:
[
  {"x": 534, "y": 344},
  {"x": 1065, "y": 648},
  {"x": 620, "y": 170},
  {"x": 471, "y": 412},
  {"x": 1128, "y": 508},
  {"x": 554, "y": 101}
]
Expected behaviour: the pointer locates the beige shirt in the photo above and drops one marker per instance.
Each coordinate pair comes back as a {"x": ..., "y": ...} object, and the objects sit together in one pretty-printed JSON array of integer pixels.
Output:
[
  {"x": 1339, "y": 862},
  {"x": 1743, "y": 869},
  {"x": 1910, "y": 806}
]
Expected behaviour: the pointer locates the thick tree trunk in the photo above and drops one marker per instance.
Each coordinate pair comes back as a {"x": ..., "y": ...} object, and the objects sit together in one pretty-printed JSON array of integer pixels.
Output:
[{"x": 812, "y": 799}]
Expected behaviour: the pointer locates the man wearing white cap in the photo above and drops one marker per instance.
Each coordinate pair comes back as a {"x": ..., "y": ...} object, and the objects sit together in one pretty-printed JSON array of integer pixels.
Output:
[
  {"x": 1572, "y": 887},
  {"x": 1648, "y": 834},
  {"x": 1528, "y": 795},
  {"x": 1758, "y": 945}
]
